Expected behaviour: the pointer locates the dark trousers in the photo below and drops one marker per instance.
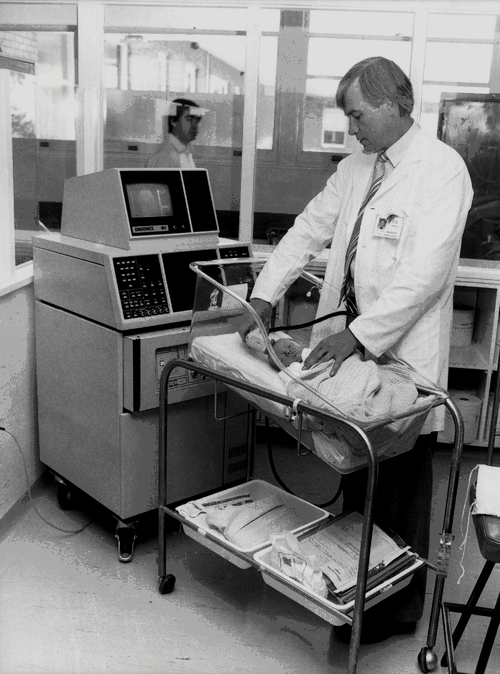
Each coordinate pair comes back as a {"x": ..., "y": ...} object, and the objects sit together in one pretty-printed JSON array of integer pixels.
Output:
[{"x": 403, "y": 502}]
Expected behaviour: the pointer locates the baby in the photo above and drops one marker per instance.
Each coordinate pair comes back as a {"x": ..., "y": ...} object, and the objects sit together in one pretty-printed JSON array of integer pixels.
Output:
[
  {"x": 288, "y": 350},
  {"x": 362, "y": 388}
]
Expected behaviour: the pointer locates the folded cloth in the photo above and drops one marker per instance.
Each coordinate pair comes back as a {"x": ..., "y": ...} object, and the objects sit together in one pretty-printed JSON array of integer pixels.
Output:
[
  {"x": 252, "y": 524},
  {"x": 487, "y": 491}
]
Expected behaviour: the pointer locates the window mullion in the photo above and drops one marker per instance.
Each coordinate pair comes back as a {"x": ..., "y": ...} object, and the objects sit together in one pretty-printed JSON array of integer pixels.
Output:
[
  {"x": 90, "y": 128},
  {"x": 7, "y": 234},
  {"x": 495, "y": 60},
  {"x": 249, "y": 149},
  {"x": 417, "y": 62},
  {"x": 291, "y": 76}
]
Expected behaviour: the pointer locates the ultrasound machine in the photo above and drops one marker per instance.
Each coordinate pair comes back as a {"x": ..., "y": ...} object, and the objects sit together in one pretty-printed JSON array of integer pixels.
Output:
[{"x": 113, "y": 304}]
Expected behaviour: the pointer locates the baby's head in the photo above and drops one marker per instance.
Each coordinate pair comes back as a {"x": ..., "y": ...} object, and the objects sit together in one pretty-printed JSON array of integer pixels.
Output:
[{"x": 287, "y": 350}]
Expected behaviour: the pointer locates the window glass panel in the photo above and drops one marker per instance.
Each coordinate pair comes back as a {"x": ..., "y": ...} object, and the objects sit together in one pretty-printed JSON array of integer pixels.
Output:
[
  {"x": 456, "y": 62},
  {"x": 361, "y": 23},
  {"x": 329, "y": 56},
  {"x": 269, "y": 20},
  {"x": 267, "y": 92},
  {"x": 208, "y": 69},
  {"x": 431, "y": 96},
  {"x": 325, "y": 126},
  {"x": 146, "y": 71},
  {"x": 43, "y": 153},
  {"x": 43, "y": 114},
  {"x": 461, "y": 26},
  {"x": 35, "y": 14},
  {"x": 179, "y": 18}
]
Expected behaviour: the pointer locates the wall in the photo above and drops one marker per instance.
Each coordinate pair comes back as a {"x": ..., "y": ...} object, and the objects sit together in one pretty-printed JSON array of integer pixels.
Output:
[{"x": 17, "y": 396}]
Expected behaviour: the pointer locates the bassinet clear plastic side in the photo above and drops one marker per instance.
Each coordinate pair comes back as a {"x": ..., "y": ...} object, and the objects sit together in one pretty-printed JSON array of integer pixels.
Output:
[{"x": 221, "y": 309}]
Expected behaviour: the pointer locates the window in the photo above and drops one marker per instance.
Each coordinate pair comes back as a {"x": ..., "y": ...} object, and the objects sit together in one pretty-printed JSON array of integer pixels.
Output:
[
  {"x": 336, "y": 40},
  {"x": 458, "y": 57},
  {"x": 43, "y": 118},
  {"x": 199, "y": 55}
]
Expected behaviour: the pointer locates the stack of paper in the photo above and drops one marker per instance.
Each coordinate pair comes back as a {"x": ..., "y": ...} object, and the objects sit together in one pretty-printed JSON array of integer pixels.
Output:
[{"x": 337, "y": 550}]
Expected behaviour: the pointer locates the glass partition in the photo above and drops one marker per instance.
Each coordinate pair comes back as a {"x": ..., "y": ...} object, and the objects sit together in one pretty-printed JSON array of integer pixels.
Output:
[
  {"x": 338, "y": 39},
  {"x": 43, "y": 120},
  {"x": 43, "y": 154},
  {"x": 458, "y": 58}
]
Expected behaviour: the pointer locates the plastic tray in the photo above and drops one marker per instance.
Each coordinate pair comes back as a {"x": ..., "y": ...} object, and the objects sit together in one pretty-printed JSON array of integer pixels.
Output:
[
  {"x": 212, "y": 539},
  {"x": 327, "y": 609}
]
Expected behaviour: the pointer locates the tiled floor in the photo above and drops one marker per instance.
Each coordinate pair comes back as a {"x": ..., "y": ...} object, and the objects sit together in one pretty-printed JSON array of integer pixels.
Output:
[{"x": 67, "y": 606}]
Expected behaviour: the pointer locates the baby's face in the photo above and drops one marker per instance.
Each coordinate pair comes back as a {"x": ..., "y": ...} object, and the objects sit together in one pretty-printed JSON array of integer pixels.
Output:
[{"x": 288, "y": 351}]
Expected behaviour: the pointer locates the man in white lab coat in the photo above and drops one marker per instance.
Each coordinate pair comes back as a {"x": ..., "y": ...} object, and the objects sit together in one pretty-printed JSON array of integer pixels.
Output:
[
  {"x": 176, "y": 151},
  {"x": 398, "y": 272}
]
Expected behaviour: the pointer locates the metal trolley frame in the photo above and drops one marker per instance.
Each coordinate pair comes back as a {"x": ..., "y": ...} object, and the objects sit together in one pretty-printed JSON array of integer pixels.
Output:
[{"x": 427, "y": 659}]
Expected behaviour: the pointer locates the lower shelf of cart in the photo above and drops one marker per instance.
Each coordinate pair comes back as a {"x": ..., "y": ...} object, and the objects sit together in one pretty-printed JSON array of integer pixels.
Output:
[{"x": 334, "y": 613}]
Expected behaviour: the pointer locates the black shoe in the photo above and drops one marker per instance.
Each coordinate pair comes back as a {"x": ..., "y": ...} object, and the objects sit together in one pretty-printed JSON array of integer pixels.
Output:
[{"x": 374, "y": 631}]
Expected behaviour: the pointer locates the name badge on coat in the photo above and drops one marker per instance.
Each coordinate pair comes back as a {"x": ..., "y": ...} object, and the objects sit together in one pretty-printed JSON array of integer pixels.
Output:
[{"x": 388, "y": 226}]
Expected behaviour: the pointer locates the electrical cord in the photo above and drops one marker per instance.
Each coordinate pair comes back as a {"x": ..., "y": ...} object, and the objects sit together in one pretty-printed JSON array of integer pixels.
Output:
[
  {"x": 280, "y": 481},
  {"x": 313, "y": 322},
  {"x": 54, "y": 526},
  {"x": 269, "y": 445}
]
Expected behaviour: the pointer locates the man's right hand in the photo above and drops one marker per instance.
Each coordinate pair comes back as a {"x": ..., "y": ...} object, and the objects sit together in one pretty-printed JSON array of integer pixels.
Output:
[{"x": 263, "y": 309}]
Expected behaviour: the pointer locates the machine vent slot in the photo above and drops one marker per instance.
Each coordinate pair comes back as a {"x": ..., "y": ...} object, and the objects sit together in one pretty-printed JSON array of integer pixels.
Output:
[
  {"x": 237, "y": 467},
  {"x": 238, "y": 450}
]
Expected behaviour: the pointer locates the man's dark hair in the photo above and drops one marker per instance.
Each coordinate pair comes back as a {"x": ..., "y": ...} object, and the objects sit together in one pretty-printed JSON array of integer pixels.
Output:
[
  {"x": 182, "y": 104},
  {"x": 380, "y": 80}
]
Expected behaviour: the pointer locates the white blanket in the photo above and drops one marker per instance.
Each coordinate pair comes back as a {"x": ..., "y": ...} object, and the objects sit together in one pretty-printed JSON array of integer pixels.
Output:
[{"x": 361, "y": 389}]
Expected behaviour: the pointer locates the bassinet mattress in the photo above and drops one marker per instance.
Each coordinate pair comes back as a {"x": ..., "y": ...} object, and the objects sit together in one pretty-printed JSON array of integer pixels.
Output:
[{"x": 227, "y": 354}]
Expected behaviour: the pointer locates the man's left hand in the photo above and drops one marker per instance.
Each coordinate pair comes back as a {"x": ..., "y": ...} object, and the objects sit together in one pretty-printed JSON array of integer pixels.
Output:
[{"x": 339, "y": 346}]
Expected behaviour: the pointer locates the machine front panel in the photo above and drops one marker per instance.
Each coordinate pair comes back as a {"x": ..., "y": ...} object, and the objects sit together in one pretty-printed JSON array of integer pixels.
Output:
[
  {"x": 140, "y": 286},
  {"x": 145, "y": 355}
]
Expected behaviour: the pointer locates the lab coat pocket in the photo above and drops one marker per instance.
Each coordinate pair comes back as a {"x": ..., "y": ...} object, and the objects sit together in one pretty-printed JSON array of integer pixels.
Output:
[{"x": 376, "y": 257}]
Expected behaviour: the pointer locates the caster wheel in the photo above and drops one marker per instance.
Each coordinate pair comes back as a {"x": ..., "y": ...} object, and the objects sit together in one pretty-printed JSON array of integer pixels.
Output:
[
  {"x": 427, "y": 660},
  {"x": 65, "y": 497},
  {"x": 126, "y": 538},
  {"x": 167, "y": 584}
]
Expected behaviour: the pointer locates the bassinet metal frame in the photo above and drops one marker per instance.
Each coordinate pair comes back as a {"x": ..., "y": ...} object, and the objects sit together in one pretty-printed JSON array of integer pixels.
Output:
[{"x": 426, "y": 658}]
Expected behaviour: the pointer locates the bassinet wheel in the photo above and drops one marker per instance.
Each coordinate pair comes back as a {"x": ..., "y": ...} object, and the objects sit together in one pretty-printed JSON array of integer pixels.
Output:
[
  {"x": 167, "y": 584},
  {"x": 427, "y": 660}
]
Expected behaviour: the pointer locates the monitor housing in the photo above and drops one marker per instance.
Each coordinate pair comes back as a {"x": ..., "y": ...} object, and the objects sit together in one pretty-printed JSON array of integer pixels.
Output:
[{"x": 122, "y": 207}]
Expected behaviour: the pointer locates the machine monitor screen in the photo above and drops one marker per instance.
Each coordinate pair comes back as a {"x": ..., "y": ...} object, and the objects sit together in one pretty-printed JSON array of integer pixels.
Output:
[
  {"x": 168, "y": 202},
  {"x": 181, "y": 280},
  {"x": 470, "y": 123},
  {"x": 149, "y": 200}
]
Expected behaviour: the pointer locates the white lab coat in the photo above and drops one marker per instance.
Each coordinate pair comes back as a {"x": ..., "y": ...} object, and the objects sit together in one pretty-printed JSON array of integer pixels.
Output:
[{"x": 404, "y": 288}]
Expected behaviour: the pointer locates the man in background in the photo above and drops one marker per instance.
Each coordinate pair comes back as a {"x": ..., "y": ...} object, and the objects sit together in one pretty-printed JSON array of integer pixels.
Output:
[{"x": 183, "y": 126}]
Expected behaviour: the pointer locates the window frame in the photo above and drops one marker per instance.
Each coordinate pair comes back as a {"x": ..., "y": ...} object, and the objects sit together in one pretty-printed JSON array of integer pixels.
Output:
[
  {"x": 87, "y": 19},
  {"x": 319, "y": 159},
  {"x": 37, "y": 17}
]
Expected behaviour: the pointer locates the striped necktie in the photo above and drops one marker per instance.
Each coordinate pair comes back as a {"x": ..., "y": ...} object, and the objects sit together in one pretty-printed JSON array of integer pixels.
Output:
[{"x": 347, "y": 290}]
